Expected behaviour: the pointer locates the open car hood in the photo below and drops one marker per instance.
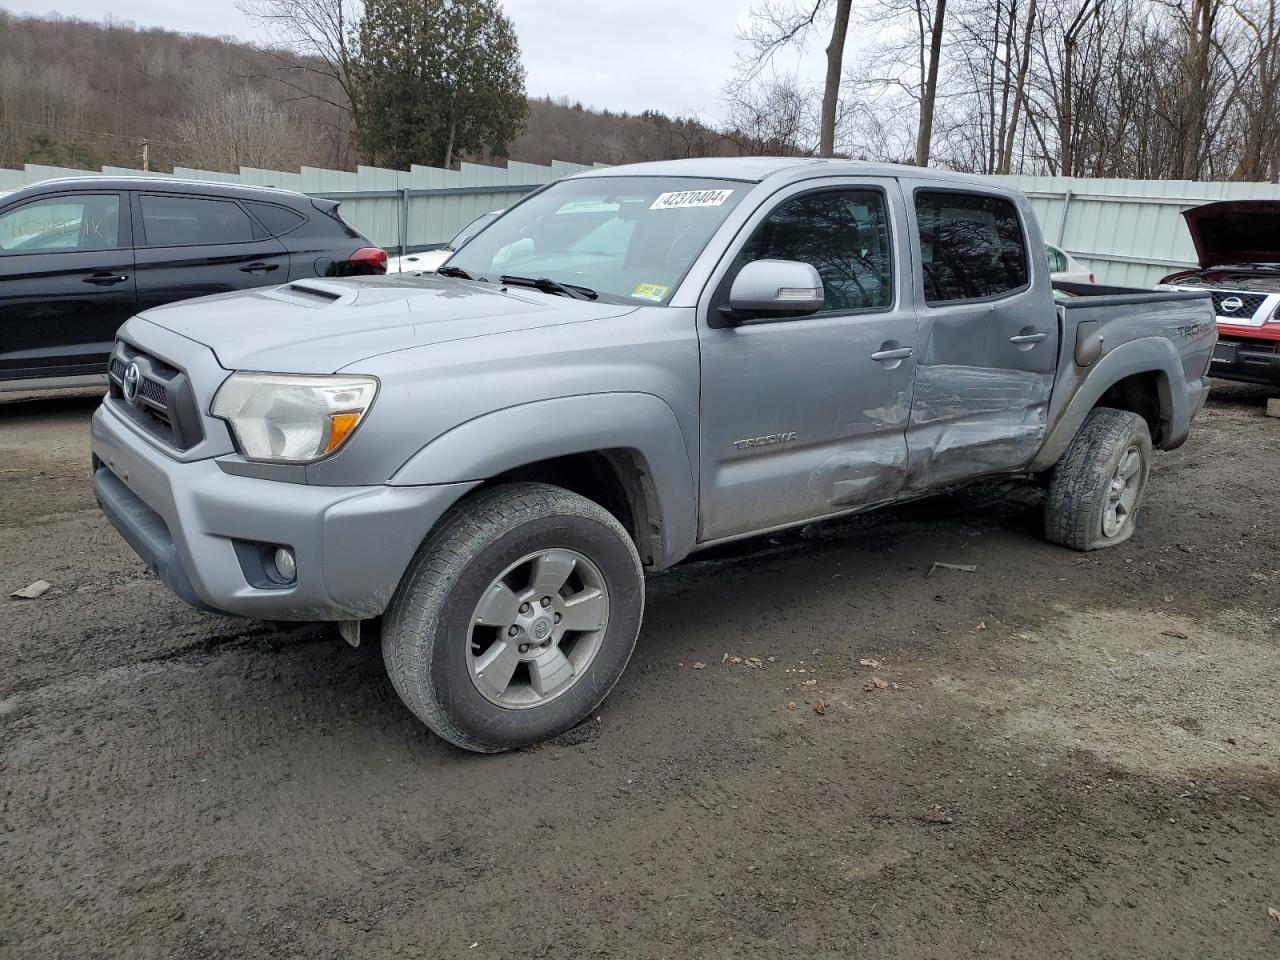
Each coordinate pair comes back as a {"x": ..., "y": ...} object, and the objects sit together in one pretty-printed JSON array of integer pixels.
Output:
[{"x": 1235, "y": 231}]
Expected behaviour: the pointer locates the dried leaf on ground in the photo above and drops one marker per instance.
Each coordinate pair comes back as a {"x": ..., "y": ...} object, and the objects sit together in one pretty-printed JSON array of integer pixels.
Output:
[
  {"x": 699, "y": 665},
  {"x": 878, "y": 683},
  {"x": 1273, "y": 913},
  {"x": 819, "y": 708},
  {"x": 32, "y": 590},
  {"x": 869, "y": 662},
  {"x": 791, "y": 704},
  {"x": 962, "y": 567}
]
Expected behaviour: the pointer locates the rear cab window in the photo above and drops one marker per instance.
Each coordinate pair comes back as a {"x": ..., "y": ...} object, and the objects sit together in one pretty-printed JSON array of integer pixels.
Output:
[
  {"x": 179, "y": 221},
  {"x": 972, "y": 246}
]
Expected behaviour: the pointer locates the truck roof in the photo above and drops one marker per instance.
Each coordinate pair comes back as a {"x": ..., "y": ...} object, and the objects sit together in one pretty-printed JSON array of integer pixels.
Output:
[{"x": 758, "y": 169}]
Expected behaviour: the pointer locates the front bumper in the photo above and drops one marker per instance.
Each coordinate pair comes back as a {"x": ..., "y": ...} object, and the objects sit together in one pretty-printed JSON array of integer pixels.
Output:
[
  {"x": 1251, "y": 360},
  {"x": 191, "y": 522}
]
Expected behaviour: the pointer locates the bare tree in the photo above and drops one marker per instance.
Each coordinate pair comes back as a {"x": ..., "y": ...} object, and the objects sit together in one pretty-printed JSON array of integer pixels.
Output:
[
  {"x": 241, "y": 127},
  {"x": 777, "y": 25},
  {"x": 1258, "y": 84},
  {"x": 770, "y": 117},
  {"x": 929, "y": 71},
  {"x": 313, "y": 39}
]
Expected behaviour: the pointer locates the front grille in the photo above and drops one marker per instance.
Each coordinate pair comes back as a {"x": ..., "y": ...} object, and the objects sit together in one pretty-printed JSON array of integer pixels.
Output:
[
  {"x": 161, "y": 402},
  {"x": 155, "y": 392},
  {"x": 1249, "y": 304}
]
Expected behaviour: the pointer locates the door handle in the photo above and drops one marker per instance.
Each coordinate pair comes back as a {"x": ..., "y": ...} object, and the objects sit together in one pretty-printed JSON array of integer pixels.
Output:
[
  {"x": 260, "y": 268},
  {"x": 104, "y": 278},
  {"x": 897, "y": 353},
  {"x": 1029, "y": 337}
]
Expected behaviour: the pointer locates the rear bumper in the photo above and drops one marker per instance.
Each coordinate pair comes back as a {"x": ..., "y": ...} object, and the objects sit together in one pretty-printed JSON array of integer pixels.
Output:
[
  {"x": 1249, "y": 359},
  {"x": 199, "y": 528}
]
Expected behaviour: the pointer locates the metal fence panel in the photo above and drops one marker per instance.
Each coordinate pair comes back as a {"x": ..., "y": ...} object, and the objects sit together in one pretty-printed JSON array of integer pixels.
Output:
[{"x": 1129, "y": 232}]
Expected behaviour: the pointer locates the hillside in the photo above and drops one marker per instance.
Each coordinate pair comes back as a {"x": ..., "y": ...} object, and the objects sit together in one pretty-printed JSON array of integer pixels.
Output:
[{"x": 210, "y": 102}]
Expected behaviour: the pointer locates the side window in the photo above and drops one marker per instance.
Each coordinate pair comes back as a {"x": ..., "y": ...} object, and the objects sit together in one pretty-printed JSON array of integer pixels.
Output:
[
  {"x": 64, "y": 223},
  {"x": 971, "y": 246},
  {"x": 277, "y": 219},
  {"x": 844, "y": 234},
  {"x": 173, "y": 221},
  {"x": 1057, "y": 262}
]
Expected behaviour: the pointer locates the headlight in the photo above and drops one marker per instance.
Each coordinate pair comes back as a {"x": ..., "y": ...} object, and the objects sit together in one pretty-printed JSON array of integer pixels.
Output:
[{"x": 290, "y": 419}]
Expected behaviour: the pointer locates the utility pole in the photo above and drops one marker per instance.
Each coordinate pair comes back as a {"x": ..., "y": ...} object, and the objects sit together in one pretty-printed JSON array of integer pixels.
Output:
[{"x": 145, "y": 156}]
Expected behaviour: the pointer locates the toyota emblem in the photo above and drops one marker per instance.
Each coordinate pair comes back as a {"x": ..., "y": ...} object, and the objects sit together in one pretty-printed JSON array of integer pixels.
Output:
[
  {"x": 1232, "y": 304},
  {"x": 132, "y": 380}
]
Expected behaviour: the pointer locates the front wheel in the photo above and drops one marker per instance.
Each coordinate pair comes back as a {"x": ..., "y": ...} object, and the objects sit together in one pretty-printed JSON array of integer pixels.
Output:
[
  {"x": 1096, "y": 488},
  {"x": 516, "y": 617}
]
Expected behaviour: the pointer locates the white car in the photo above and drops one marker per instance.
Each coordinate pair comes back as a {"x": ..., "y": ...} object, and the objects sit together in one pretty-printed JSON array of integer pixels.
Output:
[
  {"x": 1063, "y": 267},
  {"x": 429, "y": 261}
]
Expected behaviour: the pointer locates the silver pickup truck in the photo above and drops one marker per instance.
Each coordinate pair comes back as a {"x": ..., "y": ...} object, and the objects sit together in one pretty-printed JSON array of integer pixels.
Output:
[{"x": 627, "y": 367}]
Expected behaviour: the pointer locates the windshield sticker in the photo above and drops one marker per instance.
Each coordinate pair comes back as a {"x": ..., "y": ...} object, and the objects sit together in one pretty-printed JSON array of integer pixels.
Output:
[
  {"x": 650, "y": 291},
  {"x": 680, "y": 199}
]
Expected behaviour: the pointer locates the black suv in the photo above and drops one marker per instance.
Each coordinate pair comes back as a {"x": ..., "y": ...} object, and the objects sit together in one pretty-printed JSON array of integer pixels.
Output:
[{"x": 80, "y": 256}]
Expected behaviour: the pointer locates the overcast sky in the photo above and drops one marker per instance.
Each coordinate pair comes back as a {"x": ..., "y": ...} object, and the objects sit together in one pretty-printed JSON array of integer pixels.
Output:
[{"x": 671, "y": 55}]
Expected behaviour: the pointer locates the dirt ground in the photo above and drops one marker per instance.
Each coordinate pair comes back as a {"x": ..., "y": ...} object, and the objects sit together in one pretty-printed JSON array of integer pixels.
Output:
[{"x": 1057, "y": 755}]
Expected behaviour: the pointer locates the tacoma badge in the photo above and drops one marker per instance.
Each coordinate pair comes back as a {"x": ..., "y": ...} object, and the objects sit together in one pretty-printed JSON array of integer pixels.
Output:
[{"x": 765, "y": 440}]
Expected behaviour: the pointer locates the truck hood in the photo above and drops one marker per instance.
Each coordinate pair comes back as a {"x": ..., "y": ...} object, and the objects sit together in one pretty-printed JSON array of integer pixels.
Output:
[
  {"x": 1235, "y": 231},
  {"x": 320, "y": 326}
]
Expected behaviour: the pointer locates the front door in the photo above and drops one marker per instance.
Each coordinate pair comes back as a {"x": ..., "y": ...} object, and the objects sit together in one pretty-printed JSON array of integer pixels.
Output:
[
  {"x": 988, "y": 337},
  {"x": 194, "y": 246},
  {"x": 66, "y": 283},
  {"x": 805, "y": 417}
]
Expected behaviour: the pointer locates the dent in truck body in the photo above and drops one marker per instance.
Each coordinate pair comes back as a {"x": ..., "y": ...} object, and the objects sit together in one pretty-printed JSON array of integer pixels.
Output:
[
  {"x": 865, "y": 477},
  {"x": 968, "y": 421}
]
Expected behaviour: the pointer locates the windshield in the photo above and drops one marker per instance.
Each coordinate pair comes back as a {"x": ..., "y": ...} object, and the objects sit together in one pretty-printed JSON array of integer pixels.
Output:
[
  {"x": 630, "y": 239},
  {"x": 471, "y": 229}
]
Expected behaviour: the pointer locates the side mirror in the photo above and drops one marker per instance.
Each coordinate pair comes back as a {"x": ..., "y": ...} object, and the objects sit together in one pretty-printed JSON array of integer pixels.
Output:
[{"x": 776, "y": 288}]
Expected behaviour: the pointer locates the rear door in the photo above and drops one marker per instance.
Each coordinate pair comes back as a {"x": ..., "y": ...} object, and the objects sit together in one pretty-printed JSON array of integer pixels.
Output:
[
  {"x": 988, "y": 336},
  {"x": 806, "y": 417},
  {"x": 191, "y": 246},
  {"x": 66, "y": 282}
]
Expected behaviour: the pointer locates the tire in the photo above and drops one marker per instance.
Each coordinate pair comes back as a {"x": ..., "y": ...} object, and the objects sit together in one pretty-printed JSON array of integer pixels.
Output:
[
  {"x": 438, "y": 640},
  {"x": 1081, "y": 493}
]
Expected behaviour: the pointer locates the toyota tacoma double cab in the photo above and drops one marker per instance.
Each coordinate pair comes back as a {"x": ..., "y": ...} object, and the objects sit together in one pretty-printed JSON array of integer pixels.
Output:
[{"x": 632, "y": 364}]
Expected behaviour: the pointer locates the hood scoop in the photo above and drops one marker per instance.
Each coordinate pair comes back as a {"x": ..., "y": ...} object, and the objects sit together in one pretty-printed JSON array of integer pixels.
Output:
[{"x": 311, "y": 293}]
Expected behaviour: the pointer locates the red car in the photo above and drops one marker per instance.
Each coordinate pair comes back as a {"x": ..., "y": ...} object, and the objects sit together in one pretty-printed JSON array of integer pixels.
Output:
[{"x": 1238, "y": 246}]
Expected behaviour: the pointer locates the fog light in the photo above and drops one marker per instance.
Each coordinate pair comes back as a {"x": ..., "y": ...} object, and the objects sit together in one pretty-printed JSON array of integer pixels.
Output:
[{"x": 286, "y": 565}]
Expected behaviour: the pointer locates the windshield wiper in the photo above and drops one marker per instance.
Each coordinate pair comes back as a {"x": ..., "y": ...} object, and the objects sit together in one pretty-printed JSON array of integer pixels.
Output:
[
  {"x": 547, "y": 285},
  {"x": 455, "y": 272}
]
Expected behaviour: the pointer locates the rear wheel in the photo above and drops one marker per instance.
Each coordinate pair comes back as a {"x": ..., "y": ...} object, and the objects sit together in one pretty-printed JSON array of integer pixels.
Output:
[
  {"x": 1097, "y": 486},
  {"x": 515, "y": 618}
]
